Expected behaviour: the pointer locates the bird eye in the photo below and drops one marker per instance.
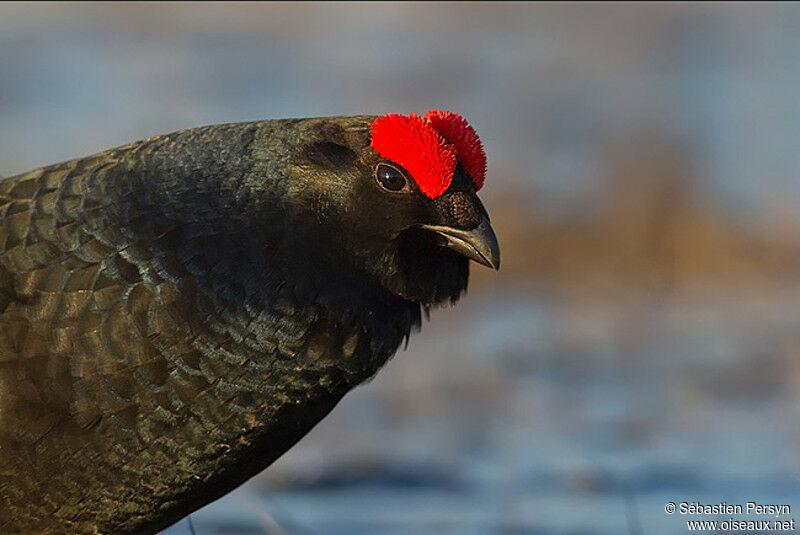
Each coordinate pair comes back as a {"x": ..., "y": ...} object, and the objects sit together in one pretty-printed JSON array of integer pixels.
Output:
[{"x": 389, "y": 177}]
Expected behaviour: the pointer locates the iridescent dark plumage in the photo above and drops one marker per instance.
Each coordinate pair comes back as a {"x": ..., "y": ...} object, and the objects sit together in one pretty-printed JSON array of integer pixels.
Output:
[{"x": 176, "y": 313}]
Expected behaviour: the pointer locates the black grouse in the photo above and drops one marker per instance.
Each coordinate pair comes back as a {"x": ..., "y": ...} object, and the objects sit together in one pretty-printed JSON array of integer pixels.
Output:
[{"x": 178, "y": 312}]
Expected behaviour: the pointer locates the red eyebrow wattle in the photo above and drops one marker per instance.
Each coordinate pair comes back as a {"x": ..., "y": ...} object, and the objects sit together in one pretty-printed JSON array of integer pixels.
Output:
[
  {"x": 419, "y": 148},
  {"x": 430, "y": 148},
  {"x": 457, "y": 130}
]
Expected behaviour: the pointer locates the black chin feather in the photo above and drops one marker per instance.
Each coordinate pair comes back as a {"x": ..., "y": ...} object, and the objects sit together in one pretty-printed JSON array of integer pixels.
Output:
[{"x": 425, "y": 272}]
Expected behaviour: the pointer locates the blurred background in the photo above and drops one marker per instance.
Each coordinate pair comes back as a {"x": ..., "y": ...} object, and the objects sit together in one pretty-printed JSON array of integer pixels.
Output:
[{"x": 640, "y": 344}]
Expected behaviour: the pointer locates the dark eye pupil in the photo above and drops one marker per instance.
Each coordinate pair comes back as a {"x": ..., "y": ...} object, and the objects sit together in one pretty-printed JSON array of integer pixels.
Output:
[{"x": 390, "y": 178}]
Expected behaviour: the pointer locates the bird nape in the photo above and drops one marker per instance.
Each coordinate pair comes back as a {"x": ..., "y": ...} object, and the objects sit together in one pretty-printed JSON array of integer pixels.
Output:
[{"x": 176, "y": 313}]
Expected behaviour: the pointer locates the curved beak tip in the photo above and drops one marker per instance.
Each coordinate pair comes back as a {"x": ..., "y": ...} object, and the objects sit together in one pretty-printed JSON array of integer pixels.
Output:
[{"x": 479, "y": 244}]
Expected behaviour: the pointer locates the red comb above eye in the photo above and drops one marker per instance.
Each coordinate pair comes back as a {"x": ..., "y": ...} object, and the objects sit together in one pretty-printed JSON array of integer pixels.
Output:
[
  {"x": 419, "y": 148},
  {"x": 457, "y": 131}
]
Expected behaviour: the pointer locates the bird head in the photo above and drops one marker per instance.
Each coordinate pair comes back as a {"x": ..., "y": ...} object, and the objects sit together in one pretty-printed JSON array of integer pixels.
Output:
[{"x": 396, "y": 196}]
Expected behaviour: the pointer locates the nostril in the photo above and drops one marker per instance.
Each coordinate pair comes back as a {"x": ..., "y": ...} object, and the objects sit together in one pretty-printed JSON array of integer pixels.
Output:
[{"x": 463, "y": 211}]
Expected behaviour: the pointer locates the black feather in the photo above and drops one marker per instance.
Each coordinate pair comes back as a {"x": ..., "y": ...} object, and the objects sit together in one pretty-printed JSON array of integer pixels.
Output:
[{"x": 176, "y": 313}]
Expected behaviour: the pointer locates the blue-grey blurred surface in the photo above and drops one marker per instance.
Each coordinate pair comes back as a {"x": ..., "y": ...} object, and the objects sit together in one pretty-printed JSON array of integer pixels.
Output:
[{"x": 640, "y": 344}]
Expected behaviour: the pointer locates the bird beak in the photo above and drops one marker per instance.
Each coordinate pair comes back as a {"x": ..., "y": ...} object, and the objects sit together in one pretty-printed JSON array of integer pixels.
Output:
[{"x": 479, "y": 244}]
